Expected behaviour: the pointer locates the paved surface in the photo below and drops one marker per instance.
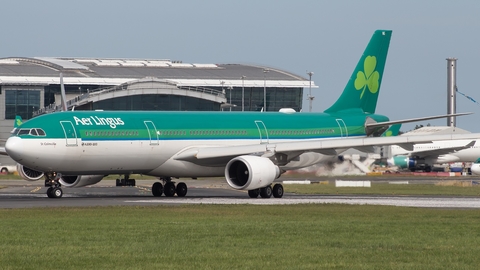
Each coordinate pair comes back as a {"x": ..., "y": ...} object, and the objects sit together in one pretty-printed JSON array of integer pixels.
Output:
[{"x": 24, "y": 194}]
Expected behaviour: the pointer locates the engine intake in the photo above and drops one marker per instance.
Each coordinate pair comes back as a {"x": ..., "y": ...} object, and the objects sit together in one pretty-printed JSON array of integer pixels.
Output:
[
  {"x": 29, "y": 174},
  {"x": 251, "y": 172},
  {"x": 80, "y": 180}
]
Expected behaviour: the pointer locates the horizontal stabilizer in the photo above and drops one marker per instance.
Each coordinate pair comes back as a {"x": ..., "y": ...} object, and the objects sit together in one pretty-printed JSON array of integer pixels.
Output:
[{"x": 371, "y": 126}]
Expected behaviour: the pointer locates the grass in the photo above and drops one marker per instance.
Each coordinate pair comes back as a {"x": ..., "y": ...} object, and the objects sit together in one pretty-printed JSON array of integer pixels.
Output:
[
  {"x": 239, "y": 237},
  {"x": 454, "y": 188}
]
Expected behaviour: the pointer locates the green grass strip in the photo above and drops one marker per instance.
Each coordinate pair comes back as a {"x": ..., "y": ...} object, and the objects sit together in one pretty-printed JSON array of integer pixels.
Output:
[{"x": 239, "y": 237}]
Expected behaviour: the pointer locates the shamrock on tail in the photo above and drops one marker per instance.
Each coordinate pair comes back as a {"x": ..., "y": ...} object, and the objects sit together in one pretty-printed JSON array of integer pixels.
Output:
[{"x": 369, "y": 77}]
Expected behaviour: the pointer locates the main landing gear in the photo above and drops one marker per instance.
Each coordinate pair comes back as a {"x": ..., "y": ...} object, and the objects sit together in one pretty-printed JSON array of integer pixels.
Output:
[
  {"x": 54, "y": 187},
  {"x": 267, "y": 192},
  {"x": 125, "y": 182},
  {"x": 168, "y": 188}
]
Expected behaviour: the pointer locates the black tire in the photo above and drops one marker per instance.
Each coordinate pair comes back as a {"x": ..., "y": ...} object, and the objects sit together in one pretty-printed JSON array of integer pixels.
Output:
[
  {"x": 49, "y": 192},
  {"x": 56, "y": 192},
  {"x": 169, "y": 189},
  {"x": 278, "y": 191},
  {"x": 181, "y": 189},
  {"x": 4, "y": 170},
  {"x": 254, "y": 193},
  {"x": 266, "y": 192},
  {"x": 157, "y": 189}
]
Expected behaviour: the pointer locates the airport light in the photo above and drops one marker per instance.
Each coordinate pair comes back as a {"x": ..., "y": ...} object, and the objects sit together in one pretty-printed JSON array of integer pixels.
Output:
[
  {"x": 243, "y": 92},
  {"x": 265, "y": 71},
  {"x": 310, "y": 97}
]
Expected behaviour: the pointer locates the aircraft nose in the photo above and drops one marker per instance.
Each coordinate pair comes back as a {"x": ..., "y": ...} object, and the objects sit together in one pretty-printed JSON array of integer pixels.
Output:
[
  {"x": 14, "y": 148},
  {"x": 390, "y": 162}
]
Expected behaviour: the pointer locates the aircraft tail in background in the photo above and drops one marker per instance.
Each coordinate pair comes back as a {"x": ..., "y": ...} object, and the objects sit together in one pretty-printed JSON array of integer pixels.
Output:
[
  {"x": 361, "y": 91},
  {"x": 393, "y": 130},
  {"x": 18, "y": 121}
]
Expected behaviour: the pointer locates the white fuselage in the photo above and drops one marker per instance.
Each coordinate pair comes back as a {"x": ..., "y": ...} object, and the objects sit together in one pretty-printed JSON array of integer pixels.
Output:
[
  {"x": 104, "y": 157},
  {"x": 464, "y": 155}
]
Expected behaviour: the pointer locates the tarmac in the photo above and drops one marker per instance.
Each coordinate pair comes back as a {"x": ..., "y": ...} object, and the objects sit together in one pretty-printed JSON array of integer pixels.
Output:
[{"x": 25, "y": 194}]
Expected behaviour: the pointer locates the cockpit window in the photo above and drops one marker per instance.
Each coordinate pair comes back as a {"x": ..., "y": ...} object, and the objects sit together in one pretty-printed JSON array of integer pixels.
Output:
[
  {"x": 40, "y": 132},
  {"x": 29, "y": 131},
  {"x": 23, "y": 131}
]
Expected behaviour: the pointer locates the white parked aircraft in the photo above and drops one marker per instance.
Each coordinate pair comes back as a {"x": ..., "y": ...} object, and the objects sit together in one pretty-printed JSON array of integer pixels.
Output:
[{"x": 424, "y": 155}]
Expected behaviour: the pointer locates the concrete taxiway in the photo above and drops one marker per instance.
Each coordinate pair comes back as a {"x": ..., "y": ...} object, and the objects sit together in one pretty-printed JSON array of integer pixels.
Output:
[{"x": 23, "y": 194}]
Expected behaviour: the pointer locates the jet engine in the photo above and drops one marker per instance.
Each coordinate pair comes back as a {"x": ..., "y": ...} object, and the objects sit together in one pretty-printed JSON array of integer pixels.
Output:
[
  {"x": 29, "y": 174},
  {"x": 411, "y": 163},
  {"x": 80, "y": 180},
  {"x": 251, "y": 172}
]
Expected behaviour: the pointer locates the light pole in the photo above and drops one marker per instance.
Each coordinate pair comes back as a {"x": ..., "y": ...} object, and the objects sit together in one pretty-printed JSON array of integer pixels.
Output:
[
  {"x": 223, "y": 90},
  {"x": 243, "y": 92},
  {"x": 265, "y": 71},
  {"x": 310, "y": 97},
  {"x": 230, "y": 91}
]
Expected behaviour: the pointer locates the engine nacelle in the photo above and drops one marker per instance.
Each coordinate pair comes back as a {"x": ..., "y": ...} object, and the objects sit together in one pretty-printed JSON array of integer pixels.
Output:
[
  {"x": 251, "y": 172},
  {"x": 80, "y": 180},
  {"x": 29, "y": 174},
  {"x": 405, "y": 162}
]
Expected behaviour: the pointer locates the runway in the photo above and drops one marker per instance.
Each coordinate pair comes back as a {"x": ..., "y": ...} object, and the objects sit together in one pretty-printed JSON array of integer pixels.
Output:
[{"x": 23, "y": 194}]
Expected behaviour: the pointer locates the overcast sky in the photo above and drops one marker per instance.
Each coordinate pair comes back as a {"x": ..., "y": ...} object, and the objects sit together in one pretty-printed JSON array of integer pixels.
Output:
[{"x": 326, "y": 37}]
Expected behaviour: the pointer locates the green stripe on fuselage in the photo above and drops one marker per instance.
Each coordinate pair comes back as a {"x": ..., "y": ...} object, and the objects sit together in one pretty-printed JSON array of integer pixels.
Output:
[{"x": 132, "y": 125}]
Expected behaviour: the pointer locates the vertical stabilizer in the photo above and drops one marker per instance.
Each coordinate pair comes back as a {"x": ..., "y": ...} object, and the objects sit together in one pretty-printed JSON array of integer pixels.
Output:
[
  {"x": 363, "y": 87},
  {"x": 393, "y": 130},
  {"x": 18, "y": 121}
]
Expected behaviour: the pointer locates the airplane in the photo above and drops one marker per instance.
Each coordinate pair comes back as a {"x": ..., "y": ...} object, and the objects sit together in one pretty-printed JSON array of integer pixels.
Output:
[
  {"x": 475, "y": 168},
  {"x": 424, "y": 155},
  {"x": 250, "y": 149}
]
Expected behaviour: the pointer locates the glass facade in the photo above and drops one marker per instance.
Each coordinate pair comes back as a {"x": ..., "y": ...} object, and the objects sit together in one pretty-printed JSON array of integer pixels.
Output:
[
  {"x": 277, "y": 98},
  {"x": 21, "y": 102},
  {"x": 156, "y": 103}
]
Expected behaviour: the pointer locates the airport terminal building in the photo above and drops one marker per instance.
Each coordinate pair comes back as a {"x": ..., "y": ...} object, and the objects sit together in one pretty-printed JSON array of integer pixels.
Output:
[{"x": 31, "y": 87}]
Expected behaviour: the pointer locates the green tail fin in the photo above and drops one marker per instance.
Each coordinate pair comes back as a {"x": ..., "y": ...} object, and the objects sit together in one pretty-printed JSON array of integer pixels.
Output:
[
  {"x": 18, "y": 121},
  {"x": 393, "y": 130},
  {"x": 364, "y": 85}
]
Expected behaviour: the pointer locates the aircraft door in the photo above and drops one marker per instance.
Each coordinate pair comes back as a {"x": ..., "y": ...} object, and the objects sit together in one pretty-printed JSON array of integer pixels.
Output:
[
  {"x": 152, "y": 132},
  {"x": 70, "y": 133},
  {"x": 342, "y": 128},
  {"x": 262, "y": 130}
]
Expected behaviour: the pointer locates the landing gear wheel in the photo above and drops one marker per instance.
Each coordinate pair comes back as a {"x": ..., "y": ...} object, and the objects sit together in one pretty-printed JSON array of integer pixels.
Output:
[
  {"x": 55, "y": 192},
  {"x": 266, "y": 192},
  {"x": 278, "y": 191},
  {"x": 49, "y": 192},
  {"x": 169, "y": 189},
  {"x": 157, "y": 189},
  {"x": 181, "y": 189},
  {"x": 254, "y": 193}
]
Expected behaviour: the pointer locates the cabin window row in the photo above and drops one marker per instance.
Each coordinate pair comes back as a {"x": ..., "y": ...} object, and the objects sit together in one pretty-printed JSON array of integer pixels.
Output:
[
  {"x": 111, "y": 133},
  {"x": 302, "y": 132},
  {"x": 218, "y": 132}
]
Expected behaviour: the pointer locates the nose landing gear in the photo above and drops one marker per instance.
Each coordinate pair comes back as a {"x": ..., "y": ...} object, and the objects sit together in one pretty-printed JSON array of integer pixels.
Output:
[{"x": 54, "y": 187}]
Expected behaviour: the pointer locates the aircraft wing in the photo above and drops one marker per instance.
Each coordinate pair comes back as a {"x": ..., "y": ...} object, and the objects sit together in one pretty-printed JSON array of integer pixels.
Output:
[
  {"x": 222, "y": 154},
  {"x": 3, "y": 152},
  {"x": 437, "y": 152}
]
